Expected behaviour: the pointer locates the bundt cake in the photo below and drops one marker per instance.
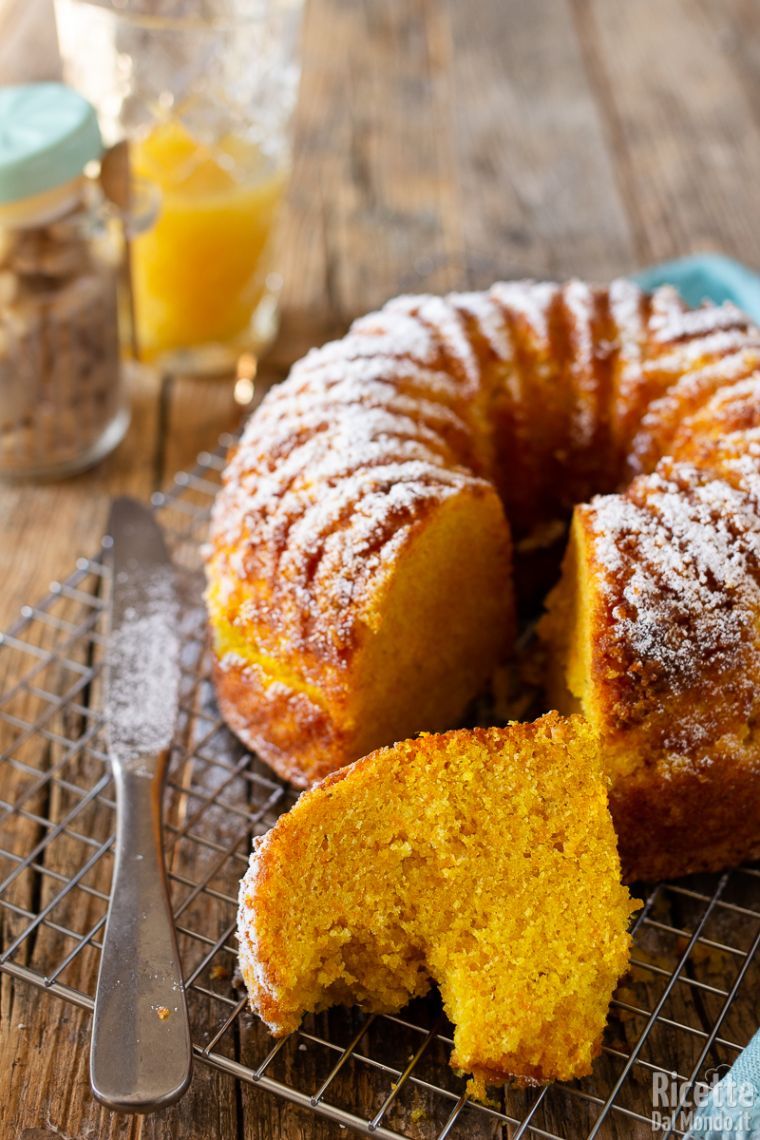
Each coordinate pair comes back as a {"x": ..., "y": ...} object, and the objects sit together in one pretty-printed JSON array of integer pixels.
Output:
[
  {"x": 363, "y": 545},
  {"x": 482, "y": 859}
]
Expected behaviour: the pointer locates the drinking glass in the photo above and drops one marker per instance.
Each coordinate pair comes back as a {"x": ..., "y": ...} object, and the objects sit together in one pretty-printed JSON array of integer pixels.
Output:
[{"x": 204, "y": 91}]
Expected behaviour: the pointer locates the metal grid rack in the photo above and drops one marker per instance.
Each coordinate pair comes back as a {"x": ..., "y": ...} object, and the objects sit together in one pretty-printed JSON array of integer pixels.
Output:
[{"x": 689, "y": 1005}]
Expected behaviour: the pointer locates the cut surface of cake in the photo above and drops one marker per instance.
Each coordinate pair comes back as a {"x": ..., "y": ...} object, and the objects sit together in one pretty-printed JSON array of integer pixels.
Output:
[{"x": 483, "y": 860}]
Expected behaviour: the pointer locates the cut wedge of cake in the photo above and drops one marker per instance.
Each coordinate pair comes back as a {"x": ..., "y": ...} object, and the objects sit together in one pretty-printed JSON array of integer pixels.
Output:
[{"x": 483, "y": 860}]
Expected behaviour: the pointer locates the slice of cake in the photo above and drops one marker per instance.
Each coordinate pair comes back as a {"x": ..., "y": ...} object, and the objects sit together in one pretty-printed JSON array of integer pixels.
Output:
[
  {"x": 653, "y": 634},
  {"x": 483, "y": 860}
]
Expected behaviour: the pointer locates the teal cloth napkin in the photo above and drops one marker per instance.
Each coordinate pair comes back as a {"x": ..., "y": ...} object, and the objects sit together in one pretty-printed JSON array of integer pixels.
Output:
[
  {"x": 732, "y": 1109},
  {"x": 707, "y": 277}
]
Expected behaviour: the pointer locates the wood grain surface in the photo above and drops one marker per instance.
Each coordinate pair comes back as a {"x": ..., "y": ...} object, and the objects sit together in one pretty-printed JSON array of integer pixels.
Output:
[{"x": 440, "y": 144}]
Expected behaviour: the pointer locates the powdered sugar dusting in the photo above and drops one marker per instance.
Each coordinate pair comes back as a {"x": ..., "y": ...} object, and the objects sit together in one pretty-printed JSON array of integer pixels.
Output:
[
  {"x": 255, "y": 975},
  {"x": 684, "y": 396},
  {"x": 675, "y": 323},
  {"x": 143, "y": 667},
  {"x": 370, "y": 433},
  {"x": 578, "y": 299},
  {"x": 325, "y": 374},
  {"x": 667, "y": 308},
  {"x": 443, "y": 320},
  {"x": 730, "y": 399},
  {"x": 529, "y": 300},
  {"x": 481, "y": 308},
  {"x": 682, "y": 553},
  {"x": 625, "y": 304},
  {"x": 625, "y": 308},
  {"x": 702, "y": 350}
]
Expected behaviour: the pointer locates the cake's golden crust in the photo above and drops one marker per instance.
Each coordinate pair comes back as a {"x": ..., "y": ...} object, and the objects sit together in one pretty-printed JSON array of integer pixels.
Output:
[
  {"x": 677, "y": 819},
  {"x": 422, "y": 861},
  {"x": 277, "y": 727},
  {"x": 307, "y": 701}
]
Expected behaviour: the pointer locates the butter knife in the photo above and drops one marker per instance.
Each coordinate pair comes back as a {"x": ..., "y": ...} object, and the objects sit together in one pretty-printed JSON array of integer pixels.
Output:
[{"x": 141, "y": 1055}]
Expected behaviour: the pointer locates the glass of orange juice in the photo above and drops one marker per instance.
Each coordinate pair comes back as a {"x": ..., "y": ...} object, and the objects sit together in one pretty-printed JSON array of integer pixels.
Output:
[{"x": 204, "y": 91}]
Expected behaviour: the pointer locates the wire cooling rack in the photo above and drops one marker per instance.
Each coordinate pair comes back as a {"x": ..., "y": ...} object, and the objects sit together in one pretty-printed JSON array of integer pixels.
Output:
[{"x": 688, "y": 1006}]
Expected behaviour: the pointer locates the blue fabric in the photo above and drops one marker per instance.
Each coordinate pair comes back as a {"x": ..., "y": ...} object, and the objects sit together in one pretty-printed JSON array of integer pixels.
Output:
[
  {"x": 732, "y": 1109},
  {"x": 707, "y": 277}
]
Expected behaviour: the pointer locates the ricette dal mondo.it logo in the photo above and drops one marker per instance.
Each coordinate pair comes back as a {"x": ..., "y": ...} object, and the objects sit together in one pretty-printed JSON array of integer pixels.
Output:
[{"x": 675, "y": 1103}]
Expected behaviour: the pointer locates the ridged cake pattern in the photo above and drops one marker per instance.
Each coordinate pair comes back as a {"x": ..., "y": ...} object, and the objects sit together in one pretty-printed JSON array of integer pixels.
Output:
[
  {"x": 547, "y": 393},
  {"x": 681, "y": 555}
]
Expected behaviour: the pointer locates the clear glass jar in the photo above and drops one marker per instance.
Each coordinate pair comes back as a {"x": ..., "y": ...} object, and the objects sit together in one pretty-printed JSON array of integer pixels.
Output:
[
  {"x": 62, "y": 400},
  {"x": 204, "y": 93}
]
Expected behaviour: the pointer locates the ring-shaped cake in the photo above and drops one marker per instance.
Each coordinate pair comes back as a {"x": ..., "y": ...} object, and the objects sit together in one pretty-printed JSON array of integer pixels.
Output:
[{"x": 363, "y": 546}]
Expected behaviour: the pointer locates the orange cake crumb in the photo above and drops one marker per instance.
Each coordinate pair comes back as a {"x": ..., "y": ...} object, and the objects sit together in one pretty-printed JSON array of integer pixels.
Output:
[{"x": 483, "y": 860}]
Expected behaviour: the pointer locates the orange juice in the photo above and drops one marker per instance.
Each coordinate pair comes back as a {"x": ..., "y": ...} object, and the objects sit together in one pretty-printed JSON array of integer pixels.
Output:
[{"x": 198, "y": 274}]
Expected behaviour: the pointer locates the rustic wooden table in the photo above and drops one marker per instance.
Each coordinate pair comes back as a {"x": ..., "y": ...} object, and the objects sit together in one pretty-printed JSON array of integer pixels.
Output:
[{"x": 439, "y": 145}]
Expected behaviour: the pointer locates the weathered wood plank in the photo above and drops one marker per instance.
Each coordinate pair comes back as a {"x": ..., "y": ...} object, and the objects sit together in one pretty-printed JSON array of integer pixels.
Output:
[
  {"x": 686, "y": 140},
  {"x": 538, "y": 192},
  {"x": 373, "y": 199}
]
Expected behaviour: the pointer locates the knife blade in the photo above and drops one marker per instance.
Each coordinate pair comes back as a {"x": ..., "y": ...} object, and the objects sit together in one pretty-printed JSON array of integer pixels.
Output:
[{"x": 140, "y": 1055}]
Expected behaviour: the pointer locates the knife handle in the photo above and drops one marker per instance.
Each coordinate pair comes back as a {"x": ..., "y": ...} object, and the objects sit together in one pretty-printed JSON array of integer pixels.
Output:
[{"x": 140, "y": 1055}]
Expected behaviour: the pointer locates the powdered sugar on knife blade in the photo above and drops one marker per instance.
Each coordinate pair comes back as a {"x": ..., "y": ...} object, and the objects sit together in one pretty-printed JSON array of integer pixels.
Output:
[{"x": 142, "y": 665}]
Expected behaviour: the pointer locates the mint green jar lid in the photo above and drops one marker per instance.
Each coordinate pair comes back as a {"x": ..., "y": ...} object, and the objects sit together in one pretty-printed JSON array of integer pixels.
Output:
[{"x": 48, "y": 134}]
